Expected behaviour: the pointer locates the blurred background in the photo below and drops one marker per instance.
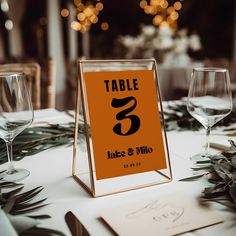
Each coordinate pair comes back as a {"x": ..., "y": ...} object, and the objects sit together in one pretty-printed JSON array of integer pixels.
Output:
[{"x": 179, "y": 34}]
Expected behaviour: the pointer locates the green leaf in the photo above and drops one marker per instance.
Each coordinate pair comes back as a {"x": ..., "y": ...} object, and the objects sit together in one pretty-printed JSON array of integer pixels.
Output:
[
  {"x": 227, "y": 204},
  {"x": 233, "y": 162},
  {"x": 205, "y": 167},
  {"x": 233, "y": 145},
  {"x": 12, "y": 192},
  {"x": 203, "y": 162},
  {"x": 213, "y": 177},
  {"x": 39, "y": 216},
  {"x": 42, "y": 232},
  {"x": 214, "y": 191},
  {"x": 8, "y": 184},
  {"x": 220, "y": 171},
  {"x": 28, "y": 195},
  {"x": 9, "y": 205},
  {"x": 232, "y": 192},
  {"x": 30, "y": 209},
  {"x": 18, "y": 207},
  {"x": 194, "y": 177},
  {"x": 22, "y": 223}
]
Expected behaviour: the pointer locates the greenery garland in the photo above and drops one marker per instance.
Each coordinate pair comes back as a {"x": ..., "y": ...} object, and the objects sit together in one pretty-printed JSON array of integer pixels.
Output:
[
  {"x": 39, "y": 138},
  {"x": 177, "y": 117},
  {"x": 17, "y": 205},
  {"x": 220, "y": 170}
]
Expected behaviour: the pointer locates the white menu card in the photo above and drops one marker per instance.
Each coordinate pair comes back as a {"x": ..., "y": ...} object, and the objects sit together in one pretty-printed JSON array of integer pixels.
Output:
[{"x": 169, "y": 215}]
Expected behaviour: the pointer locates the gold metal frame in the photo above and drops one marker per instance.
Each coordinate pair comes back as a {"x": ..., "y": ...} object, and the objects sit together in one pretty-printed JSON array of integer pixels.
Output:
[{"x": 81, "y": 98}]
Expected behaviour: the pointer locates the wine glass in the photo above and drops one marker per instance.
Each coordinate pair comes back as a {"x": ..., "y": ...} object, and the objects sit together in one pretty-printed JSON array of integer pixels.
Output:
[
  {"x": 209, "y": 99},
  {"x": 16, "y": 113}
]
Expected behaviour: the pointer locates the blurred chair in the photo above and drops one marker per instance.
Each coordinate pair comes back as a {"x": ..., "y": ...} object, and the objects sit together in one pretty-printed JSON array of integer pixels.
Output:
[
  {"x": 48, "y": 83},
  {"x": 221, "y": 63},
  {"x": 181, "y": 81},
  {"x": 217, "y": 62},
  {"x": 227, "y": 64},
  {"x": 181, "y": 89},
  {"x": 41, "y": 81},
  {"x": 32, "y": 72},
  {"x": 72, "y": 73},
  {"x": 174, "y": 80}
]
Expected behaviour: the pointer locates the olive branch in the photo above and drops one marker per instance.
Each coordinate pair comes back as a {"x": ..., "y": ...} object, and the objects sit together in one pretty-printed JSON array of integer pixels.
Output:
[
  {"x": 220, "y": 170},
  {"x": 17, "y": 205}
]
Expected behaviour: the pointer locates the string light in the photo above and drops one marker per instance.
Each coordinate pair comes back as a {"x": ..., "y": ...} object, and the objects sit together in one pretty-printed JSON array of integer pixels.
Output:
[
  {"x": 64, "y": 12},
  {"x": 9, "y": 24},
  {"x": 4, "y": 6},
  {"x": 86, "y": 14},
  {"x": 104, "y": 26},
  {"x": 177, "y": 5},
  {"x": 163, "y": 12},
  {"x": 75, "y": 25}
]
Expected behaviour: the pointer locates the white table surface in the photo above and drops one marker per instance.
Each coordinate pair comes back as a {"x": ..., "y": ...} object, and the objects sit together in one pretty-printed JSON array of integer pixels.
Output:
[{"x": 52, "y": 169}]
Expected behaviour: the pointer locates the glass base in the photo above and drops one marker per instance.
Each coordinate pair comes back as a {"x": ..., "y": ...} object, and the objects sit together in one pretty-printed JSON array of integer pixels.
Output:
[
  {"x": 200, "y": 157},
  {"x": 14, "y": 175}
]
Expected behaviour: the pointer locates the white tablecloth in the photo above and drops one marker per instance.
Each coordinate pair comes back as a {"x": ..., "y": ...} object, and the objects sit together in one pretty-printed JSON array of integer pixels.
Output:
[{"x": 52, "y": 169}]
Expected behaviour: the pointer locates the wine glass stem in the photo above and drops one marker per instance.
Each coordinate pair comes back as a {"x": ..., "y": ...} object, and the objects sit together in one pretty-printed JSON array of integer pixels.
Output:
[
  {"x": 11, "y": 168},
  {"x": 208, "y": 131}
]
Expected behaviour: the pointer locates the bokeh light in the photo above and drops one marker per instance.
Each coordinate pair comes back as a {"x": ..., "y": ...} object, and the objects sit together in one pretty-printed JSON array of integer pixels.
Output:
[
  {"x": 9, "y": 24},
  {"x": 87, "y": 14},
  {"x": 64, "y": 12},
  {"x": 104, "y": 26},
  {"x": 162, "y": 10}
]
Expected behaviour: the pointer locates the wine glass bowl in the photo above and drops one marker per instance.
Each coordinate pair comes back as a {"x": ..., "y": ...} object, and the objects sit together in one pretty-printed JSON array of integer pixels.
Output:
[
  {"x": 16, "y": 113},
  {"x": 209, "y": 99}
]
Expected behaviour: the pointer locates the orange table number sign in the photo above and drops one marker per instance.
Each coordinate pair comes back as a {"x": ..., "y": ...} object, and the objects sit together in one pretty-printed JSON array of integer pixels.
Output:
[{"x": 125, "y": 124}]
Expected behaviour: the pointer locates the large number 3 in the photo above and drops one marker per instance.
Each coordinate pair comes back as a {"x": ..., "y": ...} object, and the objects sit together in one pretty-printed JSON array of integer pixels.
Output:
[{"x": 135, "y": 121}]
